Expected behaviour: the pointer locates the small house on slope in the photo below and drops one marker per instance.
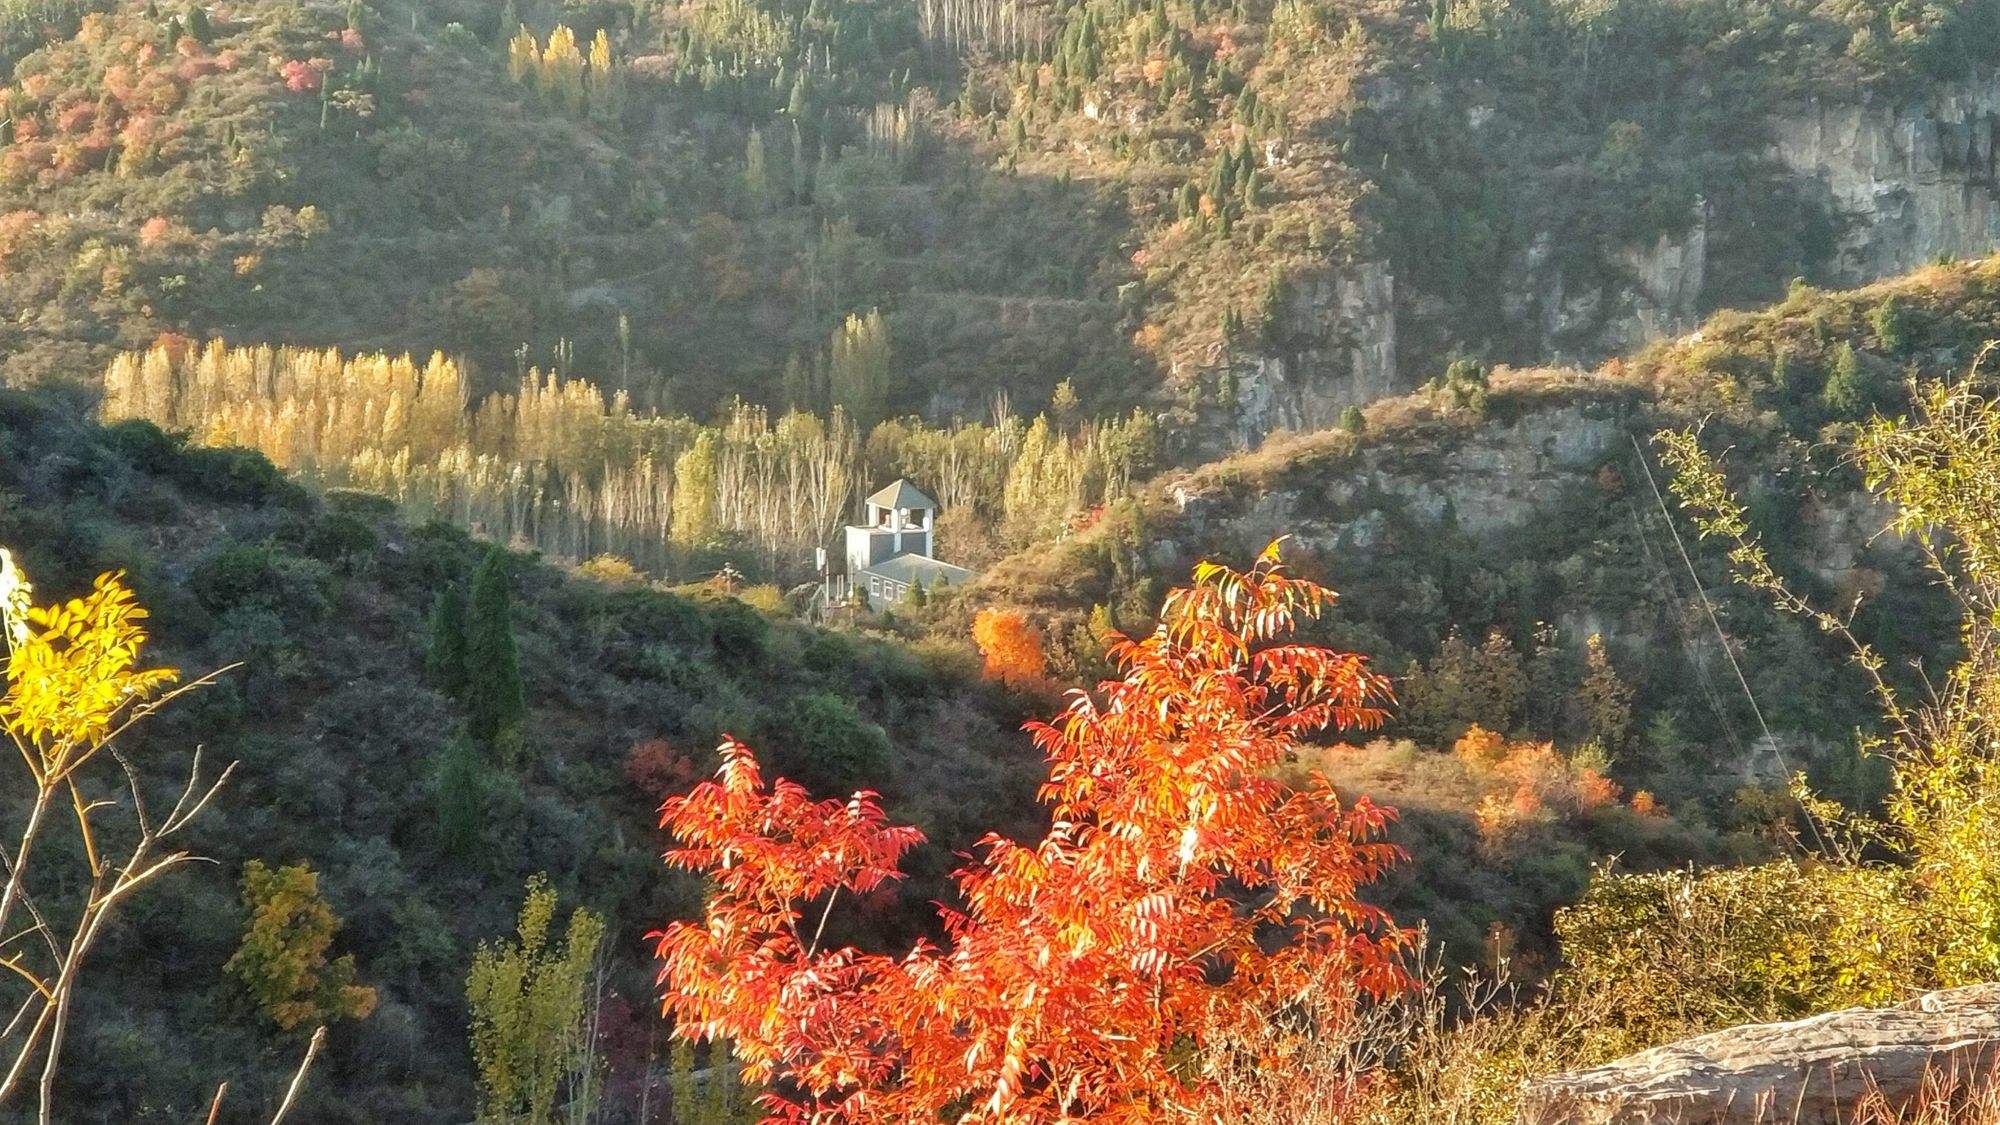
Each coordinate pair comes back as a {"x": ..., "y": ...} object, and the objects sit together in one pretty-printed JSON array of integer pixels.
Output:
[{"x": 893, "y": 550}]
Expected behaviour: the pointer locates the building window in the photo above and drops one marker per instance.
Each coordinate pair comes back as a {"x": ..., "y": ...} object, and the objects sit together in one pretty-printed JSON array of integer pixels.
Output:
[{"x": 874, "y": 586}]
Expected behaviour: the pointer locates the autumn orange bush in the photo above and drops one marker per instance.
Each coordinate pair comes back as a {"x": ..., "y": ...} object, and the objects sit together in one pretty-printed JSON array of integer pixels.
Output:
[
  {"x": 1011, "y": 647},
  {"x": 1105, "y": 972},
  {"x": 1529, "y": 785},
  {"x": 656, "y": 768}
]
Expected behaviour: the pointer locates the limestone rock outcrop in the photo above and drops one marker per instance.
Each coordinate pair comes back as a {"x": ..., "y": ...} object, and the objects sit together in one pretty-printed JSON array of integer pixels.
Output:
[
  {"x": 1339, "y": 349},
  {"x": 1905, "y": 183},
  {"x": 1809, "y": 1071}
]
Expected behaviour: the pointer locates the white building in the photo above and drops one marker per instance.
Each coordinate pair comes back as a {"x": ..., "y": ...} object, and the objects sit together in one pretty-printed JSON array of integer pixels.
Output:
[{"x": 893, "y": 550}]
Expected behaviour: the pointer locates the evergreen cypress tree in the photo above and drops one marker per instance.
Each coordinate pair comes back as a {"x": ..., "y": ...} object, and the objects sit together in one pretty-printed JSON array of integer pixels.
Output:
[
  {"x": 461, "y": 797},
  {"x": 1782, "y": 376},
  {"x": 1892, "y": 325},
  {"x": 801, "y": 170},
  {"x": 1847, "y": 393},
  {"x": 756, "y": 179},
  {"x": 495, "y": 701},
  {"x": 444, "y": 660}
]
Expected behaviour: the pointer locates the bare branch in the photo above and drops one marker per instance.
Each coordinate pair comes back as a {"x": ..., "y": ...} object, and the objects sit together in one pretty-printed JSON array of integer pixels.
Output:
[{"x": 299, "y": 1079}]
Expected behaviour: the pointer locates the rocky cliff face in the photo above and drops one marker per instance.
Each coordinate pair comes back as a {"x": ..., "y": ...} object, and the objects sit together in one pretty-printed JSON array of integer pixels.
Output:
[
  {"x": 1335, "y": 346},
  {"x": 1485, "y": 479},
  {"x": 1902, "y": 183},
  {"x": 1650, "y": 293},
  {"x": 1905, "y": 183}
]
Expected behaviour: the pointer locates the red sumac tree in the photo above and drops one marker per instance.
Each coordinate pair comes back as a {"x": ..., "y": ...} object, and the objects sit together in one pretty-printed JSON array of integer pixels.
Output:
[{"x": 1089, "y": 975}]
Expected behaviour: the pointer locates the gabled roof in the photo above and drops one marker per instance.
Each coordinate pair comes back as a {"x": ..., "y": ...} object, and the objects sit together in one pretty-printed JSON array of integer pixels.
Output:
[
  {"x": 902, "y": 494},
  {"x": 910, "y": 566}
]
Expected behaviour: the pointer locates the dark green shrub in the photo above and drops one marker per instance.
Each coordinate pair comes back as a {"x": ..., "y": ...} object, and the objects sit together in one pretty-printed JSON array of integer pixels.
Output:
[
  {"x": 741, "y": 634},
  {"x": 145, "y": 445},
  {"x": 833, "y": 749},
  {"x": 437, "y": 554},
  {"x": 652, "y": 615},
  {"x": 295, "y": 589},
  {"x": 237, "y": 476},
  {"x": 829, "y": 654},
  {"x": 341, "y": 539}
]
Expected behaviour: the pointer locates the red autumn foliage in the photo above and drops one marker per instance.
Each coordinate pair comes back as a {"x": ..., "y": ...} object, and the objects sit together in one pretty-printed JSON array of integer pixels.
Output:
[
  {"x": 1179, "y": 892},
  {"x": 198, "y": 66},
  {"x": 159, "y": 230},
  {"x": 119, "y": 81},
  {"x": 16, "y": 227},
  {"x": 76, "y": 118},
  {"x": 176, "y": 345},
  {"x": 304, "y": 76},
  {"x": 656, "y": 769}
]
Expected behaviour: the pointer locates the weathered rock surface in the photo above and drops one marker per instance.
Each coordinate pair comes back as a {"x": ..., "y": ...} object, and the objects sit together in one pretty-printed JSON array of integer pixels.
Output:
[
  {"x": 1905, "y": 183},
  {"x": 1808, "y": 1071},
  {"x": 1340, "y": 350}
]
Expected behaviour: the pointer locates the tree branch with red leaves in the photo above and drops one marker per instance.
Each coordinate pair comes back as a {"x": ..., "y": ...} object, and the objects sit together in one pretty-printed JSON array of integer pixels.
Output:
[{"x": 1179, "y": 892}]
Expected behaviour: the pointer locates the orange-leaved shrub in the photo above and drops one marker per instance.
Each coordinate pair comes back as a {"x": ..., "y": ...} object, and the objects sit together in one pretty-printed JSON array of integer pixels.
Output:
[
  {"x": 1011, "y": 647},
  {"x": 1105, "y": 972},
  {"x": 1528, "y": 786}
]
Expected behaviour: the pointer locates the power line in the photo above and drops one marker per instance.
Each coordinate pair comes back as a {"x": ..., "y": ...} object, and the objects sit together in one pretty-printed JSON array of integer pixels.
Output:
[{"x": 1708, "y": 606}]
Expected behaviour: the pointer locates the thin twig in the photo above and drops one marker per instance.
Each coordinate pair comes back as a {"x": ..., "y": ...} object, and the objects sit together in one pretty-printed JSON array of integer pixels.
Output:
[{"x": 299, "y": 1079}]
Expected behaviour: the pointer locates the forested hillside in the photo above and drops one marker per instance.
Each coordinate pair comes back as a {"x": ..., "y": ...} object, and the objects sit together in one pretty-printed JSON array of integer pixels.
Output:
[
  {"x": 471, "y": 382},
  {"x": 323, "y": 607},
  {"x": 1259, "y": 213},
  {"x": 1533, "y": 747},
  {"x": 1486, "y": 529}
]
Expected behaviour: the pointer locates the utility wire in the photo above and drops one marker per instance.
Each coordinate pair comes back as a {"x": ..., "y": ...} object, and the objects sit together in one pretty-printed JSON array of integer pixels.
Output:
[{"x": 1812, "y": 822}]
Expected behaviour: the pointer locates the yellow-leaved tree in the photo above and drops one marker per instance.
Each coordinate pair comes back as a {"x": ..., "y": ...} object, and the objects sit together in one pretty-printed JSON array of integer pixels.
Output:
[
  {"x": 74, "y": 686},
  {"x": 282, "y": 962},
  {"x": 1876, "y": 907},
  {"x": 533, "y": 1003}
]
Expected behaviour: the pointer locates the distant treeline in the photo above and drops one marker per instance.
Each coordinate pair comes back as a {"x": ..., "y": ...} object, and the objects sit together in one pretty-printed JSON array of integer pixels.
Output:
[{"x": 559, "y": 465}]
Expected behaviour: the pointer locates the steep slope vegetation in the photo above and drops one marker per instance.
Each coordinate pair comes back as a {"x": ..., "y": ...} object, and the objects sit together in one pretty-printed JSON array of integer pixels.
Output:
[
  {"x": 1484, "y": 529},
  {"x": 1256, "y": 213},
  {"x": 341, "y": 738}
]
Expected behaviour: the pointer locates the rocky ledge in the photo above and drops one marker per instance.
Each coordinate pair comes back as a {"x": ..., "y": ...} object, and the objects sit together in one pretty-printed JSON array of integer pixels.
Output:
[{"x": 1809, "y": 1071}]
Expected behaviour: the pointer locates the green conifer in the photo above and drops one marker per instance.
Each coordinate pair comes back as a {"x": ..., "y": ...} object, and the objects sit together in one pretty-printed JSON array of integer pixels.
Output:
[
  {"x": 444, "y": 660},
  {"x": 1892, "y": 325},
  {"x": 1847, "y": 393},
  {"x": 461, "y": 797},
  {"x": 495, "y": 701}
]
